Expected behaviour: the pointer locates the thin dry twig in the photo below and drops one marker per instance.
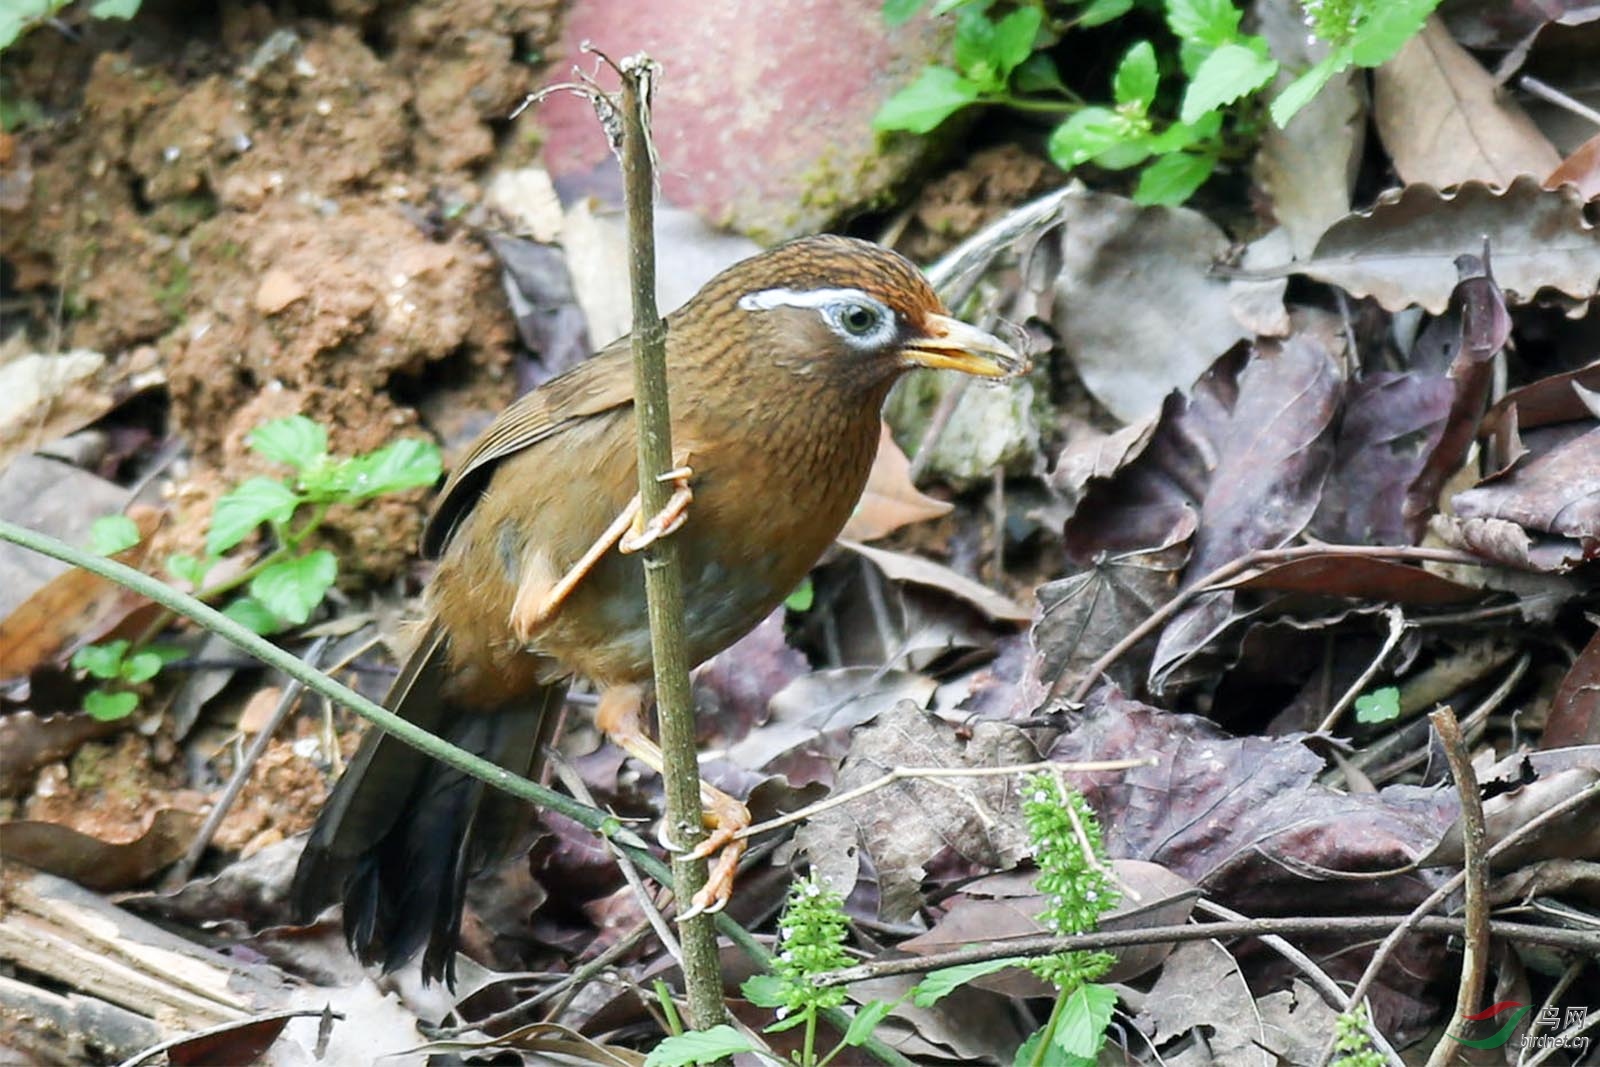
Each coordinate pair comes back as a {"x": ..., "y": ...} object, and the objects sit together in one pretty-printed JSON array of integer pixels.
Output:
[
  {"x": 1224, "y": 574},
  {"x": 652, "y": 914},
  {"x": 1557, "y": 937},
  {"x": 1397, "y": 629},
  {"x": 241, "y": 774},
  {"x": 1413, "y": 921},
  {"x": 900, "y": 774},
  {"x": 1474, "y": 834},
  {"x": 1332, "y": 995}
]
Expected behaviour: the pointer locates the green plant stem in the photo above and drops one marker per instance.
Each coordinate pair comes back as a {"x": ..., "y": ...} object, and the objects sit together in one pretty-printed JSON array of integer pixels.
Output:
[
  {"x": 809, "y": 1054},
  {"x": 1047, "y": 1036},
  {"x": 663, "y": 576},
  {"x": 255, "y": 645},
  {"x": 1026, "y": 103}
]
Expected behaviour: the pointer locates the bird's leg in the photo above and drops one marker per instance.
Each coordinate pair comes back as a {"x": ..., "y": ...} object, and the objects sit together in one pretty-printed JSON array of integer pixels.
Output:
[
  {"x": 644, "y": 533},
  {"x": 536, "y": 603},
  {"x": 620, "y": 717}
]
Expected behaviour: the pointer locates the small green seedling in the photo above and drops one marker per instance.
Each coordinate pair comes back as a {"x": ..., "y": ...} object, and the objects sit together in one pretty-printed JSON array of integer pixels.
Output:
[
  {"x": 287, "y": 584},
  {"x": 1214, "y": 71}
]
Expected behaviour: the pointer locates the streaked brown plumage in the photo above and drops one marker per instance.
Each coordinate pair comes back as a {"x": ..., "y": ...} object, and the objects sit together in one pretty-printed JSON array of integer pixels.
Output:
[{"x": 777, "y": 369}]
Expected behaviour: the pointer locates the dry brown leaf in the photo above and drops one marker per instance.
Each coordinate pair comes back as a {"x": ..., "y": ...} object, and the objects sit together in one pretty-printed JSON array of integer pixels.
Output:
[
  {"x": 890, "y": 501},
  {"x": 1445, "y": 121},
  {"x": 1581, "y": 169},
  {"x": 72, "y": 609},
  {"x": 1403, "y": 250},
  {"x": 902, "y": 567},
  {"x": 96, "y": 864}
]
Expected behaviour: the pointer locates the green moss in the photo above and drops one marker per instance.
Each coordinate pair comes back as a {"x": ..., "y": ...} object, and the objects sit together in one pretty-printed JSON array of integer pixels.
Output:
[{"x": 171, "y": 296}]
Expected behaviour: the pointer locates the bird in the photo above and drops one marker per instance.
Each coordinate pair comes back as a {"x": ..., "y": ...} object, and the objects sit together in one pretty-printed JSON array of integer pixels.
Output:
[{"x": 777, "y": 370}]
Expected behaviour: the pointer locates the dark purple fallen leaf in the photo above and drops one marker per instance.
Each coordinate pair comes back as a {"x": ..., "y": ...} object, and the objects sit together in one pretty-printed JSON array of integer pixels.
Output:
[
  {"x": 1244, "y": 816},
  {"x": 1472, "y": 331},
  {"x": 733, "y": 688},
  {"x": 236, "y": 1046},
  {"x": 1083, "y": 615},
  {"x": 1261, "y": 434},
  {"x": 1361, "y": 578},
  {"x": 1552, "y": 399},
  {"x": 96, "y": 864},
  {"x": 904, "y": 826},
  {"x": 1521, "y": 788},
  {"x": 1392, "y": 423},
  {"x": 542, "y": 299},
  {"x": 1574, "y": 717},
  {"x": 1554, "y": 493}
]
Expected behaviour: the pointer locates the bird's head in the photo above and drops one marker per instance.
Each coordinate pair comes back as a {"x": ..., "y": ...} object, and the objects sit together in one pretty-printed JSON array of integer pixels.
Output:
[{"x": 841, "y": 310}]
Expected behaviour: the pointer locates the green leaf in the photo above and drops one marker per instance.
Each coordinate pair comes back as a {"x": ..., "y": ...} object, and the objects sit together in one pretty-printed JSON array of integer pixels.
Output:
[
  {"x": 101, "y": 661},
  {"x": 1173, "y": 179},
  {"x": 1206, "y": 22},
  {"x": 18, "y": 15},
  {"x": 974, "y": 49},
  {"x": 804, "y": 595},
  {"x": 114, "y": 9},
  {"x": 110, "y": 706},
  {"x": 765, "y": 990},
  {"x": 409, "y": 463},
  {"x": 141, "y": 667},
  {"x": 920, "y": 107},
  {"x": 868, "y": 1016},
  {"x": 189, "y": 569},
  {"x": 896, "y": 12},
  {"x": 1038, "y": 74},
  {"x": 1387, "y": 29},
  {"x": 246, "y": 507},
  {"x": 250, "y": 613},
  {"x": 1298, "y": 93},
  {"x": 291, "y": 590},
  {"x": 295, "y": 441},
  {"x": 1380, "y": 705},
  {"x": 1085, "y": 135},
  {"x": 941, "y": 983},
  {"x": 1137, "y": 77},
  {"x": 1129, "y": 153},
  {"x": 111, "y": 534},
  {"x": 698, "y": 1046},
  {"x": 788, "y": 1022},
  {"x": 1027, "y": 1052},
  {"x": 1227, "y": 74},
  {"x": 1013, "y": 39},
  {"x": 1100, "y": 12},
  {"x": 1081, "y": 1029}
]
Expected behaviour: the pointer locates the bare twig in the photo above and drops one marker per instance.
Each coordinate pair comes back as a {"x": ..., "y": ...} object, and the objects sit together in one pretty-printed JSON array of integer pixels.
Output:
[
  {"x": 1415, "y": 920},
  {"x": 1551, "y": 94},
  {"x": 1475, "y": 953},
  {"x": 900, "y": 774},
  {"x": 1576, "y": 940},
  {"x": 575, "y": 785},
  {"x": 1219, "y": 578},
  {"x": 241, "y": 774},
  {"x": 1397, "y": 629},
  {"x": 1319, "y": 979},
  {"x": 663, "y": 578}
]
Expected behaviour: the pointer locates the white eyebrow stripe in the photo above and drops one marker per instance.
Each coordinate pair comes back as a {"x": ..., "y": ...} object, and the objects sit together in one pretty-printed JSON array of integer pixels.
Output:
[{"x": 767, "y": 299}]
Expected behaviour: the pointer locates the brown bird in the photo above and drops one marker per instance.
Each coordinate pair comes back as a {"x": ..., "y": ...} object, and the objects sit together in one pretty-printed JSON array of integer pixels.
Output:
[{"x": 777, "y": 370}]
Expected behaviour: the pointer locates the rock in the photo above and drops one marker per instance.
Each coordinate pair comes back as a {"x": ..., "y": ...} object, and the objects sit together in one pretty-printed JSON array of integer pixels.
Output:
[
  {"x": 763, "y": 114},
  {"x": 278, "y": 289}
]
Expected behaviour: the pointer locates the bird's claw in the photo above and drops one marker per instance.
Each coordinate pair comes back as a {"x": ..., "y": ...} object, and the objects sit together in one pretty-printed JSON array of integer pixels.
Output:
[
  {"x": 666, "y": 521},
  {"x": 726, "y": 817}
]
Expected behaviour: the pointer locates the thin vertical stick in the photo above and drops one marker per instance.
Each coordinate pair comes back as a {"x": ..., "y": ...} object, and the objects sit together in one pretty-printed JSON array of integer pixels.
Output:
[{"x": 662, "y": 576}]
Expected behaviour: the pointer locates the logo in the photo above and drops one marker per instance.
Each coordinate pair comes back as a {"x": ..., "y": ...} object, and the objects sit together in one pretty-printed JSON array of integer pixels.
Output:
[
  {"x": 1500, "y": 1036},
  {"x": 1569, "y": 1027}
]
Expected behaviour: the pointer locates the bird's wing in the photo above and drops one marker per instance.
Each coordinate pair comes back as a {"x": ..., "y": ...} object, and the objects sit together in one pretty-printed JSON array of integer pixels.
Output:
[{"x": 598, "y": 385}]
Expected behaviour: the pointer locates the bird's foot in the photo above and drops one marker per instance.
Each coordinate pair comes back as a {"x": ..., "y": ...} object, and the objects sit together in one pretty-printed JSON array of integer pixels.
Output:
[
  {"x": 645, "y": 533},
  {"x": 726, "y": 817}
]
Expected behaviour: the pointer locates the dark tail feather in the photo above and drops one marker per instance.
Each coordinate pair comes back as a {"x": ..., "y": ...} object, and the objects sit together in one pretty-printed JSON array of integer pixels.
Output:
[{"x": 401, "y": 834}]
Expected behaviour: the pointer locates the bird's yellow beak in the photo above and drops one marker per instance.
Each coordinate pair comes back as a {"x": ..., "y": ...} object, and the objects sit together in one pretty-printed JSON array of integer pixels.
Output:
[{"x": 950, "y": 344}]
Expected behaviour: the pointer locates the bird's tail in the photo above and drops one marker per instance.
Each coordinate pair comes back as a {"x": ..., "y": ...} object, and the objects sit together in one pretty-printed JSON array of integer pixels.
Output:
[{"x": 401, "y": 833}]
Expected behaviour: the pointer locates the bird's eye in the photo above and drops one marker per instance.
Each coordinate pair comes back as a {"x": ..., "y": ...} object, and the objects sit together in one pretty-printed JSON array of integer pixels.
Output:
[{"x": 859, "y": 319}]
